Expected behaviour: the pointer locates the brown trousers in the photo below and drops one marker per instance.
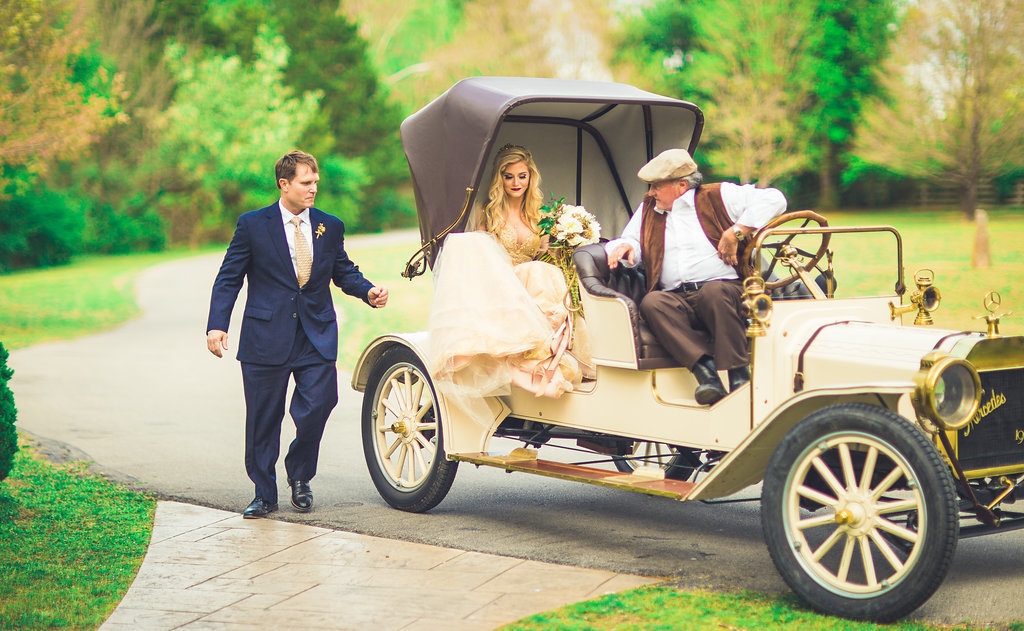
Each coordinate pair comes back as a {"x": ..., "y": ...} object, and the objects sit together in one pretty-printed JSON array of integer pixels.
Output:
[{"x": 697, "y": 323}]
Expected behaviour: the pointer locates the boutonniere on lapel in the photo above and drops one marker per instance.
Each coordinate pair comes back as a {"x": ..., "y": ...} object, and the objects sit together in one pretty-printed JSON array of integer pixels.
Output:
[{"x": 320, "y": 230}]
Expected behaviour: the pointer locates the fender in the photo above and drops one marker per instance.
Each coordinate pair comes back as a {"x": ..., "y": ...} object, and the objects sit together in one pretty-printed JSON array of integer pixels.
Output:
[
  {"x": 746, "y": 465},
  {"x": 462, "y": 434}
]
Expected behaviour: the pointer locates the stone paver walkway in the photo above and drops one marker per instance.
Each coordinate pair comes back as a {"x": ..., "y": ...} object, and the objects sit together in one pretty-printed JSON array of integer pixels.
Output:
[{"x": 211, "y": 569}]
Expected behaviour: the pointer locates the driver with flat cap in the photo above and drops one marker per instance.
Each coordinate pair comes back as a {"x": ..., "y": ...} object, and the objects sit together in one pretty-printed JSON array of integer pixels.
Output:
[{"x": 687, "y": 235}]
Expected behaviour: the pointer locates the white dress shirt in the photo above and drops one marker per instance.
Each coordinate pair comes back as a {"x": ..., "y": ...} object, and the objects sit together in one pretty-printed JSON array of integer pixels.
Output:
[
  {"x": 306, "y": 228},
  {"x": 689, "y": 256}
]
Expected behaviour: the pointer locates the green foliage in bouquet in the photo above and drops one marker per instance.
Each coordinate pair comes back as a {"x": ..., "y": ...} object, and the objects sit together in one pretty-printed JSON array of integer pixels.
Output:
[{"x": 567, "y": 228}]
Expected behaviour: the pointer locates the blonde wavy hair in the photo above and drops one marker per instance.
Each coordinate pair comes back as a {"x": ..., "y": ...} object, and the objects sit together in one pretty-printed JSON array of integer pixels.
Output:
[{"x": 493, "y": 213}]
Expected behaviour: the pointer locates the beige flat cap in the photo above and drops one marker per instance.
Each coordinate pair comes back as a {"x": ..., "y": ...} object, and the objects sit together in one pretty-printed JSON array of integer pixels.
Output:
[{"x": 668, "y": 165}]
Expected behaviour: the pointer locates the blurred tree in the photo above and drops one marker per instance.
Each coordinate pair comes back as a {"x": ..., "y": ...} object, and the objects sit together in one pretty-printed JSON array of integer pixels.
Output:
[
  {"x": 654, "y": 43},
  {"x": 57, "y": 97},
  {"x": 847, "y": 45},
  {"x": 955, "y": 84},
  {"x": 355, "y": 117},
  {"x": 811, "y": 61},
  {"x": 490, "y": 42},
  {"x": 45, "y": 113},
  {"x": 226, "y": 126},
  {"x": 425, "y": 46},
  {"x": 401, "y": 35},
  {"x": 745, "y": 63},
  {"x": 28, "y": 241},
  {"x": 120, "y": 177},
  {"x": 751, "y": 60}
]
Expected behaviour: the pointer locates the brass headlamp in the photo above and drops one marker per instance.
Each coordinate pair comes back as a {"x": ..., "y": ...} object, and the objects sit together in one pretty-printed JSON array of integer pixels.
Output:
[
  {"x": 947, "y": 391},
  {"x": 758, "y": 304},
  {"x": 926, "y": 299}
]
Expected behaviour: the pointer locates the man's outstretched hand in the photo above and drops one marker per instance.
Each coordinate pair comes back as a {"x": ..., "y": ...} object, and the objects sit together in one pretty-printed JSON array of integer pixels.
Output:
[
  {"x": 217, "y": 342},
  {"x": 623, "y": 251},
  {"x": 378, "y": 296}
]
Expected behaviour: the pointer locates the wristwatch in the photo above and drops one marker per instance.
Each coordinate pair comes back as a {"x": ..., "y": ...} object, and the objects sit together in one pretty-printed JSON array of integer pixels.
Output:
[{"x": 740, "y": 235}]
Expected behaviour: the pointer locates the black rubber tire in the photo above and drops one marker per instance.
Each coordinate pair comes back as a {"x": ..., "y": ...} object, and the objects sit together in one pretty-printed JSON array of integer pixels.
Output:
[
  {"x": 931, "y": 515},
  {"x": 432, "y": 487}
]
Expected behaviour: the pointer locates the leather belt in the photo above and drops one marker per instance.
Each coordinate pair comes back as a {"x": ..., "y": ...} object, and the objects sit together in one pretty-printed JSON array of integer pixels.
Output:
[{"x": 685, "y": 288}]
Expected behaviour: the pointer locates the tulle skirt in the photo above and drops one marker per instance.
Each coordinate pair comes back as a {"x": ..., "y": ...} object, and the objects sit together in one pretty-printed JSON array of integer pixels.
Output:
[{"x": 493, "y": 324}]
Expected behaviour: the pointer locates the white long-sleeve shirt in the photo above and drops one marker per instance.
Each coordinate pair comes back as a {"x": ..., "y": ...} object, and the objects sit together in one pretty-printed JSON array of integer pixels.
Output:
[{"x": 689, "y": 256}]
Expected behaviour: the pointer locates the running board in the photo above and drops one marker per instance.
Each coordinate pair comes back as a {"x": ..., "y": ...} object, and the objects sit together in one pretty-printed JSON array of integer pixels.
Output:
[{"x": 525, "y": 460}]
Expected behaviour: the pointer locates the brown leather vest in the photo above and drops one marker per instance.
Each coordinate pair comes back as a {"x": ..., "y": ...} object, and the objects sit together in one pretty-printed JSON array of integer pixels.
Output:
[{"x": 711, "y": 214}]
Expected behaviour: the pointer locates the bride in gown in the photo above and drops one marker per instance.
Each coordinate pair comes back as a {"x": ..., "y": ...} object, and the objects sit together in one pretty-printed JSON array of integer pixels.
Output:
[{"x": 498, "y": 315}]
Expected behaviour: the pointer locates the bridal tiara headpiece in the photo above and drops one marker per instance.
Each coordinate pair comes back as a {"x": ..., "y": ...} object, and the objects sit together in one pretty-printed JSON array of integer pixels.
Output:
[{"x": 512, "y": 147}]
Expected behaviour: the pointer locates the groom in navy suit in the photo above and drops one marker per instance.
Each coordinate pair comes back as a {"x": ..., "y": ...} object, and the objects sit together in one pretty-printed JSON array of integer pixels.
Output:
[{"x": 289, "y": 252}]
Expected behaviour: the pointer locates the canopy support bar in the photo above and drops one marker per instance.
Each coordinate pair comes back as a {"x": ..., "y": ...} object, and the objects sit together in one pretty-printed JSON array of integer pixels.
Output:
[
  {"x": 579, "y": 166},
  {"x": 648, "y": 132}
]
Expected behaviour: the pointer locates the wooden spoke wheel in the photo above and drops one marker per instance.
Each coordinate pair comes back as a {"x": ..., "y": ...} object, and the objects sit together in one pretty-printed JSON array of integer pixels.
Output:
[
  {"x": 402, "y": 438},
  {"x": 859, "y": 513}
]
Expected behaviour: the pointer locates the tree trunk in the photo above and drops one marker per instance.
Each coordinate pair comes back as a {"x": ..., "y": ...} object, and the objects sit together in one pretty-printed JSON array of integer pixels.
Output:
[
  {"x": 828, "y": 194},
  {"x": 981, "y": 257},
  {"x": 969, "y": 197}
]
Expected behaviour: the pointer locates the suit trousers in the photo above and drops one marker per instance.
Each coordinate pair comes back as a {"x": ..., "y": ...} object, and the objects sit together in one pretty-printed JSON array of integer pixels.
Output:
[
  {"x": 704, "y": 322},
  {"x": 314, "y": 396}
]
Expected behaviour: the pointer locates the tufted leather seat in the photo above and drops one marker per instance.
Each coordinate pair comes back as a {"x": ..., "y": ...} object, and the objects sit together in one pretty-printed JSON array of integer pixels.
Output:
[{"x": 629, "y": 285}]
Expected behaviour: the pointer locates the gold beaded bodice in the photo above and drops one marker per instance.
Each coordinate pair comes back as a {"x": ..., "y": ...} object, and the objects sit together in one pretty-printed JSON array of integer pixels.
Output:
[{"x": 520, "y": 252}]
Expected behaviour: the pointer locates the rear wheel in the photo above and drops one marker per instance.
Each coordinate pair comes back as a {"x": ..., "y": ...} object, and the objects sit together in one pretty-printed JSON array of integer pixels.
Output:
[
  {"x": 859, "y": 513},
  {"x": 402, "y": 438},
  {"x": 679, "y": 463}
]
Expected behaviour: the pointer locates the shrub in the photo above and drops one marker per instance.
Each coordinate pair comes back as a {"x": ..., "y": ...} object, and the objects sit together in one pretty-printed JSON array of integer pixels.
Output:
[
  {"x": 39, "y": 228},
  {"x": 8, "y": 435}
]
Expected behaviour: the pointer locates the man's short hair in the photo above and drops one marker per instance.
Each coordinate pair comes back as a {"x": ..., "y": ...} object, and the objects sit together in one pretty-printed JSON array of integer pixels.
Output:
[
  {"x": 289, "y": 163},
  {"x": 693, "y": 180}
]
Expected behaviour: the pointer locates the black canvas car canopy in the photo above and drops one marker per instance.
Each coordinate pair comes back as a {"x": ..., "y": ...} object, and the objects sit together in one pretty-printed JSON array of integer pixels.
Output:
[{"x": 588, "y": 138}]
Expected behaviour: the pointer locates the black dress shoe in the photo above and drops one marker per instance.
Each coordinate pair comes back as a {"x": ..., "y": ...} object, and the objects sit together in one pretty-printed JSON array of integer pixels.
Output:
[
  {"x": 710, "y": 389},
  {"x": 738, "y": 377},
  {"x": 302, "y": 497},
  {"x": 258, "y": 508}
]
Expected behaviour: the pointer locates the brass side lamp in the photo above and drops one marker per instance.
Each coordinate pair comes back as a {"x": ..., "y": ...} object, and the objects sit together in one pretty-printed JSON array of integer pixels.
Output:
[
  {"x": 991, "y": 302},
  {"x": 759, "y": 306},
  {"x": 925, "y": 300}
]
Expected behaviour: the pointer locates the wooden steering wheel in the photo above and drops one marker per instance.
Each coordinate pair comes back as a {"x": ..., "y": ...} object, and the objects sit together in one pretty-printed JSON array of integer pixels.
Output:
[{"x": 783, "y": 251}]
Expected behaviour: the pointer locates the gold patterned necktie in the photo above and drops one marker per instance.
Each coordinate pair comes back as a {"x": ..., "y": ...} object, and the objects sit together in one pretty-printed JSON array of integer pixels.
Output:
[{"x": 303, "y": 257}]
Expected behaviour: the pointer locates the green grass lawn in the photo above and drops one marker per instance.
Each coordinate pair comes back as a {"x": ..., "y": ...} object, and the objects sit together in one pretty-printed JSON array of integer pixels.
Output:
[
  {"x": 70, "y": 545},
  {"x": 665, "y": 608},
  {"x": 92, "y": 294},
  {"x": 943, "y": 242},
  {"x": 96, "y": 293},
  {"x": 408, "y": 302}
]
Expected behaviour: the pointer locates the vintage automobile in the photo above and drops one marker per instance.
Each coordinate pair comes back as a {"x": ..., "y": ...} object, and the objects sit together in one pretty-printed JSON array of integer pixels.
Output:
[{"x": 877, "y": 444}]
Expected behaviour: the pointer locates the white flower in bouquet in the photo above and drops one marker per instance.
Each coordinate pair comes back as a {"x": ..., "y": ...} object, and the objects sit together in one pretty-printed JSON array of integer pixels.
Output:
[
  {"x": 574, "y": 226},
  {"x": 568, "y": 225}
]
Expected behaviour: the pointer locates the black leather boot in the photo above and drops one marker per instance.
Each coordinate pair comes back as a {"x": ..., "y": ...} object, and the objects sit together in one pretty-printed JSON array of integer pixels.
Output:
[
  {"x": 710, "y": 389},
  {"x": 738, "y": 377}
]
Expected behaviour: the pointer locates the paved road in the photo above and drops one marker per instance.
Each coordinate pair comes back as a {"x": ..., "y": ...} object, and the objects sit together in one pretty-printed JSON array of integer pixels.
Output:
[{"x": 149, "y": 404}]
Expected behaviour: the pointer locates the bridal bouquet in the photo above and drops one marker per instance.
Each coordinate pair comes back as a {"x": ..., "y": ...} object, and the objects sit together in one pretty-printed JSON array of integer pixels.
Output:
[{"x": 567, "y": 228}]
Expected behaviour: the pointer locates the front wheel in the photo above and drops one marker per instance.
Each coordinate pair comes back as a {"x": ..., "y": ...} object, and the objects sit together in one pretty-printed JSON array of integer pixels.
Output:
[
  {"x": 402, "y": 438},
  {"x": 859, "y": 513}
]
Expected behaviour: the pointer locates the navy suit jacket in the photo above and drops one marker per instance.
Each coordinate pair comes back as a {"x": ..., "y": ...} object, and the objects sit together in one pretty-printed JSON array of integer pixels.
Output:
[{"x": 275, "y": 306}]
